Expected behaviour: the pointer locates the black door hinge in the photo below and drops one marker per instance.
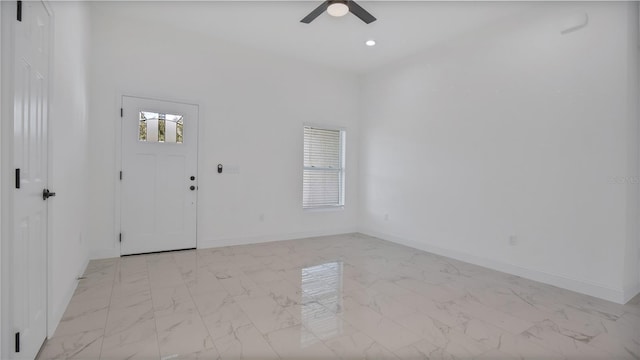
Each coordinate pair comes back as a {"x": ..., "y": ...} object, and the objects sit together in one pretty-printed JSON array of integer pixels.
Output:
[
  {"x": 121, "y": 112},
  {"x": 19, "y": 11},
  {"x": 120, "y": 174},
  {"x": 17, "y": 178},
  {"x": 120, "y": 237},
  {"x": 17, "y": 342}
]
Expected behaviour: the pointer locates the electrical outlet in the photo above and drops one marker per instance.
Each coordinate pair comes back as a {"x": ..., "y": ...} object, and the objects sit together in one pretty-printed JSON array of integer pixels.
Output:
[{"x": 513, "y": 240}]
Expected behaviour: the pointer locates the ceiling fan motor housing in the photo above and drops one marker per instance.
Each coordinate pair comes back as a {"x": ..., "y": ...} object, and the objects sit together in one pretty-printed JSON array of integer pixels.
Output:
[{"x": 340, "y": 8}]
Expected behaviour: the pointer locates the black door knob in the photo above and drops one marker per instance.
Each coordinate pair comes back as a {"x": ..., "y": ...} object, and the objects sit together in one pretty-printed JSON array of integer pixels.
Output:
[
  {"x": 192, "y": 187},
  {"x": 192, "y": 178},
  {"x": 47, "y": 194}
]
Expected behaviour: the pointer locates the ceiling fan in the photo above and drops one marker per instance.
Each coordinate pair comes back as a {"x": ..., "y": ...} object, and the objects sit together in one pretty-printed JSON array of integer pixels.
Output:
[{"x": 340, "y": 8}]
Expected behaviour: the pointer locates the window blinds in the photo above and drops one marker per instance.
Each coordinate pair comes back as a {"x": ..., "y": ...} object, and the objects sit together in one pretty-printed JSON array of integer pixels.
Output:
[{"x": 323, "y": 168}]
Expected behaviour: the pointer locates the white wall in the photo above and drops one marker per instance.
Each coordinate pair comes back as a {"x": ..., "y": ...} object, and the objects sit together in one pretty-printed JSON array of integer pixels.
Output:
[
  {"x": 632, "y": 245},
  {"x": 2, "y": 116},
  {"x": 517, "y": 130},
  {"x": 252, "y": 109},
  {"x": 68, "y": 134}
]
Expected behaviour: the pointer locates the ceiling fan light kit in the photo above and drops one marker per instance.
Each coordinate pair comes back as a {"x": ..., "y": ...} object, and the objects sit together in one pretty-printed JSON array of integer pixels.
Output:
[{"x": 339, "y": 8}]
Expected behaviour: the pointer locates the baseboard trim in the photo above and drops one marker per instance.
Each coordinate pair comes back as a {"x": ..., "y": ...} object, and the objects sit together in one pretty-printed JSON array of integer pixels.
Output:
[
  {"x": 231, "y": 241},
  {"x": 580, "y": 286},
  {"x": 59, "y": 309},
  {"x": 630, "y": 292}
]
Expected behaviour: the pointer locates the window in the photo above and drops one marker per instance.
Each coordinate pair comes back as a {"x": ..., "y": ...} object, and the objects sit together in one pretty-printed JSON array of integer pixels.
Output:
[
  {"x": 323, "y": 174},
  {"x": 156, "y": 127}
]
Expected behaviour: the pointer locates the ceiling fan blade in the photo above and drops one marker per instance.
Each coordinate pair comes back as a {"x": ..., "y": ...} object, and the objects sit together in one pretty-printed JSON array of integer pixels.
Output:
[
  {"x": 361, "y": 13},
  {"x": 315, "y": 13}
]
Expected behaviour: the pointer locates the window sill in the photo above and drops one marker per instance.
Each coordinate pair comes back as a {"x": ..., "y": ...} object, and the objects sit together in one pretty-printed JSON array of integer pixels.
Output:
[{"x": 324, "y": 209}]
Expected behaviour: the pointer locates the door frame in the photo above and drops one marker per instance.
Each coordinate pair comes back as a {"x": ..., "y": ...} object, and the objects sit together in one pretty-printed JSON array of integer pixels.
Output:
[
  {"x": 118, "y": 146},
  {"x": 7, "y": 66}
]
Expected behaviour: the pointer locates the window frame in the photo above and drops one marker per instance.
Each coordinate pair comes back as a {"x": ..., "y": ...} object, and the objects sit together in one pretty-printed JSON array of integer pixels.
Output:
[{"x": 341, "y": 170}]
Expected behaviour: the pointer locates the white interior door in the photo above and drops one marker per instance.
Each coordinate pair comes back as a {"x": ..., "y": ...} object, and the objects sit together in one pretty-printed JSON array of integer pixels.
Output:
[
  {"x": 159, "y": 175},
  {"x": 28, "y": 285}
]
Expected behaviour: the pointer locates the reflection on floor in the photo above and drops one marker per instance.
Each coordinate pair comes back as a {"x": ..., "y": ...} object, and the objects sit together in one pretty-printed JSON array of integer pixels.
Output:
[{"x": 347, "y": 296}]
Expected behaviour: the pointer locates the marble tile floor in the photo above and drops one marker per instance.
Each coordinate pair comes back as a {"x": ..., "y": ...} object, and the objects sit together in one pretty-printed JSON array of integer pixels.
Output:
[{"x": 344, "y": 297}]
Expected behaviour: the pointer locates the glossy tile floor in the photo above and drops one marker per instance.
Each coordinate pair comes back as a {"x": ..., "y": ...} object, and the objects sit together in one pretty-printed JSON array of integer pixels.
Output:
[{"x": 349, "y": 296}]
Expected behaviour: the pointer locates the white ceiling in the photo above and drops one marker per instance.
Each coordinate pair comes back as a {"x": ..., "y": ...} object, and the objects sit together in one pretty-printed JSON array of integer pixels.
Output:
[{"x": 402, "y": 29}]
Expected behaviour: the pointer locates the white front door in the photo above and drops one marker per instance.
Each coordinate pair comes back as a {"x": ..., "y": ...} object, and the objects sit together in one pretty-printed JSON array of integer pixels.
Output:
[
  {"x": 28, "y": 287},
  {"x": 159, "y": 175}
]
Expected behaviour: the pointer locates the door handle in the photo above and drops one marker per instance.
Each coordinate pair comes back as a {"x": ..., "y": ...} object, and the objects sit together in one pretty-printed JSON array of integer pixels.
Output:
[
  {"x": 192, "y": 187},
  {"x": 47, "y": 194}
]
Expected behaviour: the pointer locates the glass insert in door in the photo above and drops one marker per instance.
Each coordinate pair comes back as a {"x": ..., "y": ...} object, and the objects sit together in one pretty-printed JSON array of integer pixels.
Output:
[{"x": 160, "y": 128}]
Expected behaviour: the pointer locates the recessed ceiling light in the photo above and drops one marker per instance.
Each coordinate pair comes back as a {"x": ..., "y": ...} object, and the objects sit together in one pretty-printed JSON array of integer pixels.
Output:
[{"x": 370, "y": 42}]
